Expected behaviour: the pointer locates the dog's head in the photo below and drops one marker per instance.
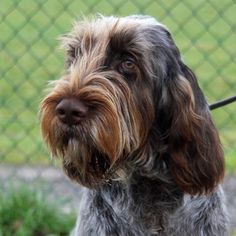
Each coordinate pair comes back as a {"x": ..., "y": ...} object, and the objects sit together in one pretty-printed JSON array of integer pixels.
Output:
[{"x": 127, "y": 97}]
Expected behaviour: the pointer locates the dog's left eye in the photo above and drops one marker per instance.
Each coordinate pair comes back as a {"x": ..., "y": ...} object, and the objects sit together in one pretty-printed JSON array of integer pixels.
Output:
[{"x": 127, "y": 65}]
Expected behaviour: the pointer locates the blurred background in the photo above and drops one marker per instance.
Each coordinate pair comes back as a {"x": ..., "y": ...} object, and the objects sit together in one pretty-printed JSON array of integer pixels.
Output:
[{"x": 205, "y": 32}]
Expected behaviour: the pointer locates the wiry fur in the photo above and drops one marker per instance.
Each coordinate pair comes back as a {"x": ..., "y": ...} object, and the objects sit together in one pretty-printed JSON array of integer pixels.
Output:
[{"x": 147, "y": 149}]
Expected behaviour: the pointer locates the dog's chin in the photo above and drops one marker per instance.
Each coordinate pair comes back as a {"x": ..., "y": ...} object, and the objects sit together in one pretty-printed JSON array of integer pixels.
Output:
[
  {"x": 90, "y": 179},
  {"x": 82, "y": 162}
]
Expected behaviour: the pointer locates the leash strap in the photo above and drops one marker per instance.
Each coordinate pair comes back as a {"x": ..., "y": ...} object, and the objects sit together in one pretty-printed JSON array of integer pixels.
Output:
[{"x": 222, "y": 102}]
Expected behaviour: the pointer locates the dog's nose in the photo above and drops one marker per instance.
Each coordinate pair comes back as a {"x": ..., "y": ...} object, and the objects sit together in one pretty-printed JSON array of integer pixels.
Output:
[{"x": 71, "y": 111}]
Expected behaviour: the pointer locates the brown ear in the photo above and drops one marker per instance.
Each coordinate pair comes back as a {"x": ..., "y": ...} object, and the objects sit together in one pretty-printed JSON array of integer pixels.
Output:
[{"x": 194, "y": 145}]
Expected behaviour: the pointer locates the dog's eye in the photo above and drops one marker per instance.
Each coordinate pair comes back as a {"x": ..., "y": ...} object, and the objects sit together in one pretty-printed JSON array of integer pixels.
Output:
[{"x": 128, "y": 65}]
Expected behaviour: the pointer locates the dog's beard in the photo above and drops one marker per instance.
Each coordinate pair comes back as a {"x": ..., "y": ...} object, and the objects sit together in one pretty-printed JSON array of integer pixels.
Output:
[
  {"x": 89, "y": 151},
  {"x": 85, "y": 163}
]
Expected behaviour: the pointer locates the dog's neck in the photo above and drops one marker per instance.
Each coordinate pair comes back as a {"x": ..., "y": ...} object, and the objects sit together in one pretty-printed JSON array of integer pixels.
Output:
[{"x": 138, "y": 199}]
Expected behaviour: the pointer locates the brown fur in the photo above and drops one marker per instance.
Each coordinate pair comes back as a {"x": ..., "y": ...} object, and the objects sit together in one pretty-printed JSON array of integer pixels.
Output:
[{"x": 195, "y": 147}]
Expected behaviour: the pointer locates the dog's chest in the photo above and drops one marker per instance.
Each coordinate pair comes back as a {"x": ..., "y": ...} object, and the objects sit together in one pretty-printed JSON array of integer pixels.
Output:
[{"x": 141, "y": 207}]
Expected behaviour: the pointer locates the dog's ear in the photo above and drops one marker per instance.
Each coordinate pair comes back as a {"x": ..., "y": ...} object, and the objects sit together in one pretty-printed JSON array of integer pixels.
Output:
[
  {"x": 193, "y": 142},
  {"x": 196, "y": 156}
]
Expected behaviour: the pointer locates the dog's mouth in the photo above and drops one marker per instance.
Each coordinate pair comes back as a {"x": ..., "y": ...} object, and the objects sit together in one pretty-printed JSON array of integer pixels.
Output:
[{"x": 66, "y": 133}]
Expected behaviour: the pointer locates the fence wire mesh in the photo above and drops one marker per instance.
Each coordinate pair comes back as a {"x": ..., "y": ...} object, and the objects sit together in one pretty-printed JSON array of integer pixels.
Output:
[{"x": 205, "y": 32}]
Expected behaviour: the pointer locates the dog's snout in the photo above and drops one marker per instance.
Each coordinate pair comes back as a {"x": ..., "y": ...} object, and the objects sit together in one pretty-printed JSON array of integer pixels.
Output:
[{"x": 71, "y": 111}]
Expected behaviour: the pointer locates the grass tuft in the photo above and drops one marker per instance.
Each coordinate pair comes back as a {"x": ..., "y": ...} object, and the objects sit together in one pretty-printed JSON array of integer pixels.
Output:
[{"x": 26, "y": 212}]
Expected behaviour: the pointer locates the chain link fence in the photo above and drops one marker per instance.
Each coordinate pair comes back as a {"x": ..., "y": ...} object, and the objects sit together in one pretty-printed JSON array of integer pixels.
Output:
[{"x": 205, "y": 32}]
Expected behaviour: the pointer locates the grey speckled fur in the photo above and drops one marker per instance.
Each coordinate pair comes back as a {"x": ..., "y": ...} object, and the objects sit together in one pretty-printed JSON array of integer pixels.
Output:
[{"x": 139, "y": 208}]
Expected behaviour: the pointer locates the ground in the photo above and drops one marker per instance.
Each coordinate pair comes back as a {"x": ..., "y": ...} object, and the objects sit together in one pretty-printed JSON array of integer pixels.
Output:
[{"x": 56, "y": 185}]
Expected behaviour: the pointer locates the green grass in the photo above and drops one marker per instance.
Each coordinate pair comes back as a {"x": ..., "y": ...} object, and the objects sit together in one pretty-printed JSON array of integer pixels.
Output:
[
  {"x": 30, "y": 57},
  {"x": 233, "y": 233},
  {"x": 26, "y": 212}
]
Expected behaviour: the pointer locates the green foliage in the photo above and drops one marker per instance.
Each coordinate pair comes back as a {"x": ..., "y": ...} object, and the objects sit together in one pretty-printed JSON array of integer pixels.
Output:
[{"x": 26, "y": 212}]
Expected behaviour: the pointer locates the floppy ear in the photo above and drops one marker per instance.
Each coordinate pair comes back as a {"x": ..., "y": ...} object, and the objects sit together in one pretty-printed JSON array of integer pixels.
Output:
[
  {"x": 184, "y": 121},
  {"x": 196, "y": 155}
]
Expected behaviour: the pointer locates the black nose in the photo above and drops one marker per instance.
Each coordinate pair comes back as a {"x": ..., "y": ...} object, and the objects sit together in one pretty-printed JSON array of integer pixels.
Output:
[{"x": 71, "y": 111}]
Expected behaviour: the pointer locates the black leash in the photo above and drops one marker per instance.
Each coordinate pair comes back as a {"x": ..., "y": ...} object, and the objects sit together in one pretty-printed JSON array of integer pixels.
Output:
[{"x": 222, "y": 102}]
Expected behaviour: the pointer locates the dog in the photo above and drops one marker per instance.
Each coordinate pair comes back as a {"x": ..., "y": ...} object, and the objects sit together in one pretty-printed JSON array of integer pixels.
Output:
[{"x": 130, "y": 124}]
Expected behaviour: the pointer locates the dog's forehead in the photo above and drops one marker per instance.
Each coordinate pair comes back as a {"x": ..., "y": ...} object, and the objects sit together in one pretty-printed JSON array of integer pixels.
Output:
[{"x": 105, "y": 27}]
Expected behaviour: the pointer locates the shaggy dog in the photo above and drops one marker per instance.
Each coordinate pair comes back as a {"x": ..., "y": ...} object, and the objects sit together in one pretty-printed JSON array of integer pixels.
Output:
[{"x": 130, "y": 123}]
